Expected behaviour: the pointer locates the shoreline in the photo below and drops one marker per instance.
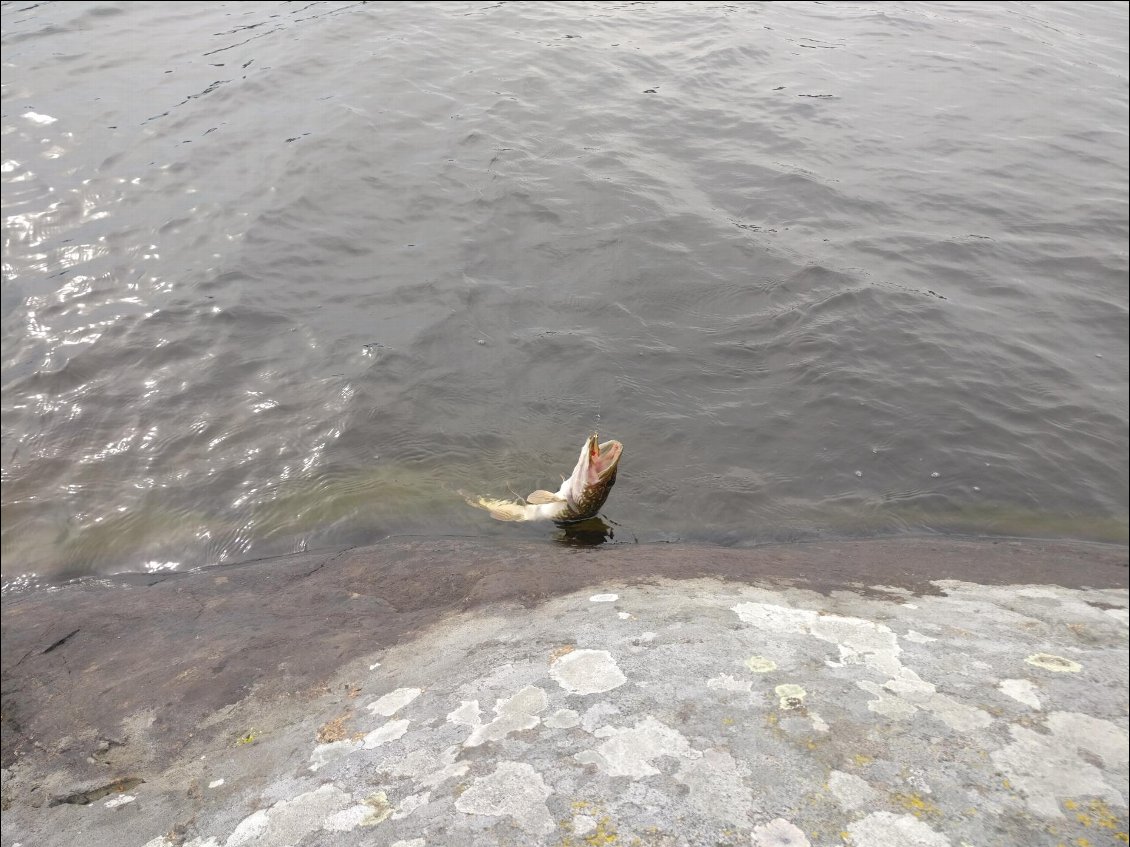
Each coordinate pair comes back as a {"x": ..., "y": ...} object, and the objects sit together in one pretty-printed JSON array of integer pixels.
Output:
[
  {"x": 139, "y": 678},
  {"x": 126, "y": 578}
]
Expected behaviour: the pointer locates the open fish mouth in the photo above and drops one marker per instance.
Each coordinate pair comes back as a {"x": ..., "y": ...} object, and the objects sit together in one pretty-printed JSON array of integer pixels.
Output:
[{"x": 603, "y": 459}]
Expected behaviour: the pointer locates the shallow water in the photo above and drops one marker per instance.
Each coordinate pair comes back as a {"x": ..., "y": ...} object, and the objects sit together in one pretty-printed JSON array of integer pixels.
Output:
[{"x": 286, "y": 276}]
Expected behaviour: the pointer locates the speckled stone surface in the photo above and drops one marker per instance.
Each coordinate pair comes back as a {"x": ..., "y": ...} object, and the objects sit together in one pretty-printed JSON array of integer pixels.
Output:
[{"x": 695, "y": 711}]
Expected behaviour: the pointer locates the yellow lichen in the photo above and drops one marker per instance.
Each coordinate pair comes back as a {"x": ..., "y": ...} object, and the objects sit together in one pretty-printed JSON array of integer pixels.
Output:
[
  {"x": 604, "y": 835},
  {"x": 760, "y": 664},
  {"x": 862, "y": 760},
  {"x": 382, "y": 809},
  {"x": 1106, "y": 818},
  {"x": 916, "y": 805},
  {"x": 249, "y": 738},
  {"x": 1058, "y": 664},
  {"x": 791, "y": 696}
]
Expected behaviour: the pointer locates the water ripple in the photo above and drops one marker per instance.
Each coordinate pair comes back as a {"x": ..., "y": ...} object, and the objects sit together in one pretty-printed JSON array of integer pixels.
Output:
[{"x": 825, "y": 270}]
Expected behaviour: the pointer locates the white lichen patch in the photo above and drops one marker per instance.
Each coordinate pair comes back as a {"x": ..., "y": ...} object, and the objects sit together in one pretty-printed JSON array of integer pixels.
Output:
[
  {"x": 918, "y": 637},
  {"x": 1057, "y": 664},
  {"x": 409, "y": 842},
  {"x": 393, "y": 702},
  {"x": 885, "y": 703},
  {"x": 384, "y": 734},
  {"x": 468, "y": 714},
  {"x": 851, "y": 792},
  {"x": 347, "y": 819},
  {"x": 512, "y": 715},
  {"x": 215, "y": 783},
  {"x": 760, "y": 664},
  {"x": 773, "y": 618},
  {"x": 912, "y": 693},
  {"x": 370, "y": 813},
  {"x": 1022, "y": 691},
  {"x": 874, "y": 646},
  {"x": 859, "y": 641},
  {"x": 818, "y": 723},
  {"x": 120, "y": 800},
  {"x": 410, "y": 804},
  {"x": 1120, "y": 615},
  {"x": 790, "y": 696},
  {"x": 1045, "y": 767},
  {"x": 249, "y": 830},
  {"x": 726, "y": 682},
  {"x": 427, "y": 768},
  {"x": 779, "y": 833},
  {"x": 563, "y": 719},
  {"x": 604, "y": 598},
  {"x": 630, "y": 752},
  {"x": 289, "y": 821},
  {"x": 883, "y": 829},
  {"x": 323, "y": 754},
  {"x": 515, "y": 790},
  {"x": 587, "y": 672},
  {"x": 924, "y": 695}
]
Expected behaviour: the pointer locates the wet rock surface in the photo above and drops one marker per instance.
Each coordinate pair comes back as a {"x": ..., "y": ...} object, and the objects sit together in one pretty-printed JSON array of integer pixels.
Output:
[{"x": 912, "y": 691}]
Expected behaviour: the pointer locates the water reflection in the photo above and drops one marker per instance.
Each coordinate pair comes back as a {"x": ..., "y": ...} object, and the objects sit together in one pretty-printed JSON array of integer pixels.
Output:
[{"x": 586, "y": 533}]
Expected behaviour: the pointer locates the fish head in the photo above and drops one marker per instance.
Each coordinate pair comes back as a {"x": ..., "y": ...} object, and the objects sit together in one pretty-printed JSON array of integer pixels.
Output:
[{"x": 593, "y": 477}]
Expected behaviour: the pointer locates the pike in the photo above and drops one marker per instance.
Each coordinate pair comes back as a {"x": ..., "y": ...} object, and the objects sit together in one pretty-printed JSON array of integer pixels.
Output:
[{"x": 579, "y": 497}]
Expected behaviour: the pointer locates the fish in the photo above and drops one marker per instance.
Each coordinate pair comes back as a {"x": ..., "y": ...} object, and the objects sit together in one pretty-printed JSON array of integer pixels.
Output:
[{"x": 580, "y": 496}]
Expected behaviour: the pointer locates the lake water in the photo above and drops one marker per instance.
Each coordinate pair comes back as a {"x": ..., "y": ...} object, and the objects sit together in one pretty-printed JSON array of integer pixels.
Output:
[{"x": 281, "y": 276}]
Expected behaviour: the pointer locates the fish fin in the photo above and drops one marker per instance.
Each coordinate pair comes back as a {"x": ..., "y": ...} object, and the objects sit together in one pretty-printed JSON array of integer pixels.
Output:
[
  {"x": 540, "y": 497},
  {"x": 502, "y": 510},
  {"x": 506, "y": 515}
]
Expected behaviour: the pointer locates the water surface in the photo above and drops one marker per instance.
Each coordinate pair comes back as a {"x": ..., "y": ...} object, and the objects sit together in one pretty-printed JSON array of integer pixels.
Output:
[{"x": 282, "y": 276}]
